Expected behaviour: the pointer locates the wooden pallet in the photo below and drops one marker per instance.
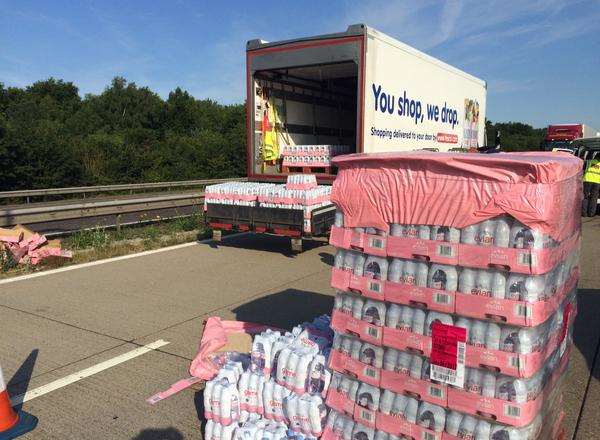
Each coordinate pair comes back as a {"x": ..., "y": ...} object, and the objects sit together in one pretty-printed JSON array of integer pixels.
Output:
[{"x": 308, "y": 169}]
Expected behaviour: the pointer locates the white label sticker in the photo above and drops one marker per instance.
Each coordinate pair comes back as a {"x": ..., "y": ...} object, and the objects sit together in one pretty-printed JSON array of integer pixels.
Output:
[{"x": 452, "y": 377}]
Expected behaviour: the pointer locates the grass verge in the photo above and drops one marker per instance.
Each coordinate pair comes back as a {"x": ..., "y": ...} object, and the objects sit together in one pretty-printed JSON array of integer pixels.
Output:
[{"x": 100, "y": 243}]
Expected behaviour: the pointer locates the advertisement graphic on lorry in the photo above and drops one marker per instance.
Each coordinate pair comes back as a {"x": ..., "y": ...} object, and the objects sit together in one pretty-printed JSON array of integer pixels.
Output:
[{"x": 413, "y": 101}]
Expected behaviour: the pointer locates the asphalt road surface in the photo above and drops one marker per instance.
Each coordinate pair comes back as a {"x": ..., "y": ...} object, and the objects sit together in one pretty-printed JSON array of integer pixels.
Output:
[{"x": 62, "y": 323}]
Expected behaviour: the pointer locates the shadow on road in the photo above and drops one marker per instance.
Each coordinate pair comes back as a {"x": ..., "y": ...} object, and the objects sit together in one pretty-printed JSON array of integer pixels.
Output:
[
  {"x": 19, "y": 383},
  {"x": 199, "y": 404},
  {"x": 285, "y": 309},
  {"x": 159, "y": 434},
  {"x": 326, "y": 258},
  {"x": 586, "y": 331},
  {"x": 267, "y": 243}
]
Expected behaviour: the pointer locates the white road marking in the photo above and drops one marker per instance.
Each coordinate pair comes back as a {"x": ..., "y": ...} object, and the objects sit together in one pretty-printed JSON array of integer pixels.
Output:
[
  {"x": 109, "y": 260},
  {"x": 75, "y": 377}
]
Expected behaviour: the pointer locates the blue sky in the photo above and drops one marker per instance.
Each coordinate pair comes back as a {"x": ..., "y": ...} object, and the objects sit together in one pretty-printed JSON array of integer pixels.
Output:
[{"x": 541, "y": 59}]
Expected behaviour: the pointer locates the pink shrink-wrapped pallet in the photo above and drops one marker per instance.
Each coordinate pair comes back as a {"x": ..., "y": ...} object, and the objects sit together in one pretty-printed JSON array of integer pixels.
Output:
[{"x": 456, "y": 277}]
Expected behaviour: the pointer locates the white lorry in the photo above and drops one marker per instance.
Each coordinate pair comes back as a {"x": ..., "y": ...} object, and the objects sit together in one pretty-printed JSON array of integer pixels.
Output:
[
  {"x": 354, "y": 91},
  {"x": 359, "y": 88}
]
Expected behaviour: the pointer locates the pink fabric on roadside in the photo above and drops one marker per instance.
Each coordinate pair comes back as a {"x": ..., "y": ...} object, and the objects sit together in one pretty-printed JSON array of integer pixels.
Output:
[
  {"x": 541, "y": 190},
  {"x": 214, "y": 337}
]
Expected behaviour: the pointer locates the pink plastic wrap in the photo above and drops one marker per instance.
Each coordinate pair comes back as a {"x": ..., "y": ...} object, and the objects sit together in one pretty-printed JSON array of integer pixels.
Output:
[
  {"x": 541, "y": 190},
  {"x": 216, "y": 336}
]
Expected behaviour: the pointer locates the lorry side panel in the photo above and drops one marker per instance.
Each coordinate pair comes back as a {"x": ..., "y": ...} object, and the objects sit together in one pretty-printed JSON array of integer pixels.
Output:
[{"x": 413, "y": 101}]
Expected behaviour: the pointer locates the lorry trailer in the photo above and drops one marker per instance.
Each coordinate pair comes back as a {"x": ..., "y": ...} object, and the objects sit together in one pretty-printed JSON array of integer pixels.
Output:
[
  {"x": 561, "y": 136},
  {"x": 309, "y": 99}
]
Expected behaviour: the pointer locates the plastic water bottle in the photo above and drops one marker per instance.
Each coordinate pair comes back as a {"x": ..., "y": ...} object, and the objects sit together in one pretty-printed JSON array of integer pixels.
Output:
[
  {"x": 319, "y": 375},
  {"x": 217, "y": 431},
  {"x": 421, "y": 274},
  {"x": 208, "y": 390},
  {"x": 209, "y": 429},
  {"x": 399, "y": 406},
  {"x": 282, "y": 364},
  {"x": 464, "y": 323},
  {"x": 506, "y": 432},
  {"x": 443, "y": 277},
  {"x": 453, "y": 420},
  {"x": 269, "y": 399},
  {"x": 488, "y": 384},
  {"x": 468, "y": 234},
  {"x": 348, "y": 304},
  {"x": 529, "y": 340},
  {"x": 467, "y": 281},
  {"x": 416, "y": 365},
  {"x": 363, "y": 432},
  {"x": 386, "y": 402},
  {"x": 291, "y": 409},
  {"x": 431, "y": 416},
  {"x": 376, "y": 267},
  {"x": 304, "y": 415},
  {"x": 485, "y": 233},
  {"x": 483, "y": 430},
  {"x": 478, "y": 333},
  {"x": 316, "y": 414},
  {"x": 424, "y": 232},
  {"x": 348, "y": 429},
  {"x": 511, "y": 389},
  {"x": 355, "y": 349},
  {"x": 474, "y": 381},
  {"x": 358, "y": 305},
  {"x": 230, "y": 403},
  {"x": 381, "y": 435},
  {"x": 359, "y": 264},
  {"x": 484, "y": 283},
  {"x": 492, "y": 336},
  {"x": 371, "y": 355},
  {"x": 374, "y": 312},
  {"x": 301, "y": 382},
  {"x": 499, "y": 284},
  {"x": 523, "y": 237},
  {"x": 403, "y": 363},
  {"x": 418, "y": 321},
  {"x": 467, "y": 427},
  {"x": 396, "y": 230},
  {"x": 368, "y": 396},
  {"x": 411, "y": 410},
  {"x": 409, "y": 272},
  {"x": 432, "y": 317},
  {"x": 406, "y": 318},
  {"x": 215, "y": 400},
  {"x": 395, "y": 270},
  {"x": 390, "y": 358},
  {"x": 438, "y": 233},
  {"x": 515, "y": 287},
  {"x": 509, "y": 339},
  {"x": 502, "y": 233},
  {"x": 392, "y": 317}
]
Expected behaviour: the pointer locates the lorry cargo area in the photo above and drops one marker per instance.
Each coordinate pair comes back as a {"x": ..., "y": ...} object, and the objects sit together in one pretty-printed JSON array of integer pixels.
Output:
[{"x": 311, "y": 105}]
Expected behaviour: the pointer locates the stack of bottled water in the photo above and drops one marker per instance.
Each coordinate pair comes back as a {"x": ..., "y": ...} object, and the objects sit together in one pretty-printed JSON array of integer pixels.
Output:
[
  {"x": 271, "y": 195},
  {"x": 275, "y": 392},
  {"x": 395, "y": 288},
  {"x": 312, "y": 155},
  {"x": 395, "y": 411}
]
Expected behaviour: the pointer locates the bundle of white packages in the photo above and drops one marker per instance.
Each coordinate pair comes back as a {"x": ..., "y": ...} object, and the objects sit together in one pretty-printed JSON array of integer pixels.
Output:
[
  {"x": 277, "y": 391},
  {"x": 268, "y": 195}
]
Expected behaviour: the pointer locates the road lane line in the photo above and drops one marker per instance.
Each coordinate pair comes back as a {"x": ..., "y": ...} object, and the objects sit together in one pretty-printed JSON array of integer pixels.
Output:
[
  {"x": 75, "y": 377},
  {"x": 110, "y": 260}
]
